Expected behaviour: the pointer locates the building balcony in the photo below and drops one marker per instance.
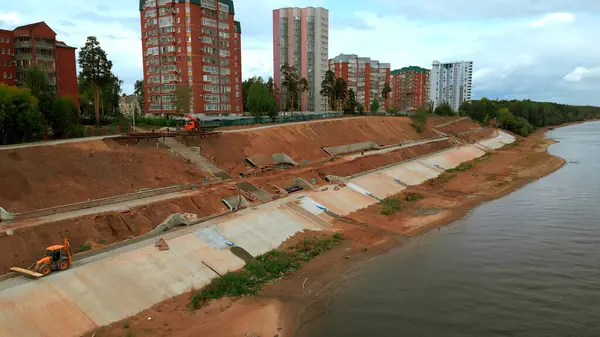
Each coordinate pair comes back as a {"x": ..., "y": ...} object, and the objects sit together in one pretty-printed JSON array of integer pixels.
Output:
[{"x": 22, "y": 44}]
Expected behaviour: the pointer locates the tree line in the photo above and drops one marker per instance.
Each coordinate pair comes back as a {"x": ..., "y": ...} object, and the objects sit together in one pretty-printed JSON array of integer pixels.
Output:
[
  {"x": 33, "y": 110},
  {"x": 523, "y": 116}
]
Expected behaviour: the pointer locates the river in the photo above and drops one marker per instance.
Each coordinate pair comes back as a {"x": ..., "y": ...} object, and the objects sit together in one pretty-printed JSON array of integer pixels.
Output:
[{"x": 527, "y": 264}]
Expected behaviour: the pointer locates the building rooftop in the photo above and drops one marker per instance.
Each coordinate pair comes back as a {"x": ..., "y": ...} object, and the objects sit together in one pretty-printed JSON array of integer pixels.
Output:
[{"x": 344, "y": 57}]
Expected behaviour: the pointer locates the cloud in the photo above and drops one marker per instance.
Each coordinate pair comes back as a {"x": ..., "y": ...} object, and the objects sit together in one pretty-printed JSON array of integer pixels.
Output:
[
  {"x": 9, "y": 19},
  {"x": 484, "y": 9},
  {"x": 553, "y": 18},
  {"x": 580, "y": 73}
]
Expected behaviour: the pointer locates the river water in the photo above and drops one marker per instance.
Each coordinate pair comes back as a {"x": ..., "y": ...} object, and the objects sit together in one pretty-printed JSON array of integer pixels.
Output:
[{"x": 527, "y": 264}]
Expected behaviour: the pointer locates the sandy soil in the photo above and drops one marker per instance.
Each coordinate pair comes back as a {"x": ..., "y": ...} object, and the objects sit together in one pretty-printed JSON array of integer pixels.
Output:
[
  {"x": 46, "y": 176},
  {"x": 284, "y": 306}
]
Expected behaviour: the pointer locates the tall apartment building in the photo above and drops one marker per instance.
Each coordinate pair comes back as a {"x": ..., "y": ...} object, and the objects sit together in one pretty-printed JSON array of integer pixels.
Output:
[
  {"x": 35, "y": 45},
  {"x": 410, "y": 88},
  {"x": 300, "y": 39},
  {"x": 451, "y": 83},
  {"x": 193, "y": 44},
  {"x": 364, "y": 76}
]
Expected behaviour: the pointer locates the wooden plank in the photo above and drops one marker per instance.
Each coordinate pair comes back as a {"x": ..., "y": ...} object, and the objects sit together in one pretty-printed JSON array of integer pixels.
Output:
[{"x": 26, "y": 271}]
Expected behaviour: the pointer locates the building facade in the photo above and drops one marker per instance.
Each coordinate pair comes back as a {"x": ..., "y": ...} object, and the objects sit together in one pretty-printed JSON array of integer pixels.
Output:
[
  {"x": 35, "y": 45},
  {"x": 301, "y": 40},
  {"x": 451, "y": 83},
  {"x": 410, "y": 88},
  {"x": 191, "y": 47},
  {"x": 129, "y": 105},
  {"x": 366, "y": 77}
]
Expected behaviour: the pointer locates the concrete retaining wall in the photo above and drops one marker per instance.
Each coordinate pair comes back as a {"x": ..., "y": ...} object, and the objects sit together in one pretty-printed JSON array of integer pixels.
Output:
[
  {"x": 349, "y": 148},
  {"x": 5, "y": 216},
  {"x": 119, "y": 283}
]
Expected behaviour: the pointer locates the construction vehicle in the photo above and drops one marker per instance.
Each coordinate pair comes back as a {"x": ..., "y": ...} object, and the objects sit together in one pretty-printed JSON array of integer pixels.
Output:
[
  {"x": 58, "y": 257},
  {"x": 193, "y": 124}
]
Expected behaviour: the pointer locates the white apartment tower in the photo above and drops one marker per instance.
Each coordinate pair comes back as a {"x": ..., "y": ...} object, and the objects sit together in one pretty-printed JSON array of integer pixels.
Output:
[
  {"x": 451, "y": 83},
  {"x": 300, "y": 39}
]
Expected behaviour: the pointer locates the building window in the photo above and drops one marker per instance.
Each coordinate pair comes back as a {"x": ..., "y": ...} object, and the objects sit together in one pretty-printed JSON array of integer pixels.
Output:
[
  {"x": 9, "y": 75},
  {"x": 211, "y": 107},
  {"x": 188, "y": 29}
]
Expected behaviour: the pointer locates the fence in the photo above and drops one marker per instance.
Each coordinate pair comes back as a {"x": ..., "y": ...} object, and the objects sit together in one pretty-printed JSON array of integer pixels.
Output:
[{"x": 264, "y": 120}]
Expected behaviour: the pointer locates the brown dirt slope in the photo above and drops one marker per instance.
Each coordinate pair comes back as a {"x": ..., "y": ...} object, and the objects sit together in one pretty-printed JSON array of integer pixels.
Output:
[
  {"x": 367, "y": 163},
  {"x": 46, "y": 176},
  {"x": 304, "y": 142},
  {"x": 462, "y": 126},
  {"x": 25, "y": 245}
]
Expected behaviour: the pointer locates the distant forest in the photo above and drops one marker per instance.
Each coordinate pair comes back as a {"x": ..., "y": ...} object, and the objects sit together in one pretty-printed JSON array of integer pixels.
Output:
[{"x": 524, "y": 116}]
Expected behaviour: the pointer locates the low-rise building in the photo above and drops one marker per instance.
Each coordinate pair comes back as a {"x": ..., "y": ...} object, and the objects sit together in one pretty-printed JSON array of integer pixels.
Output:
[{"x": 35, "y": 45}]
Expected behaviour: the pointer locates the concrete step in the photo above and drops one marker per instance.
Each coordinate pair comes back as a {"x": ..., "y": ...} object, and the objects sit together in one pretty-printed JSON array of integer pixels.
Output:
[{"x": 193, "y": 156}]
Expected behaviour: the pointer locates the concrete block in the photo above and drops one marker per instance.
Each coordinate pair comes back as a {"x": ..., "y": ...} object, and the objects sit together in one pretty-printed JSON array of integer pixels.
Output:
[
  {"x": 349, "y": 148},
  {"x": 5, "y": 215}
]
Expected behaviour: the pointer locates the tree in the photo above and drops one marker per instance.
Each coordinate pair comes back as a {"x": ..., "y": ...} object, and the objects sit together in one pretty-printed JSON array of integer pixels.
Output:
[
  {"x": 95, "y": 69},
  {"x": 375, "y": 105},
  {"x": 37, "y": 82},
  {"x": 444, "y": 109},
  {"x": 328, "y": 88},
  {"x": 350, "y": 106},
  {"x": 385, "y": 92},
  {"x": 20, "y": 120},
  {"x": 340, "y": 92},
  {"x": 139, "y": 92},
  {"x": 260, "y": 101},
  {"x": 419, "y": 119},
  {"x": 505, "y": 117},
  {"x": 303, "y": 83},
  {"x": 291, "y": 84},
  {"x": 110, "y": 95},
  {"x": 64, "y": 118},
  {"x": 183, "y": 94},
  {"x": 360, "y": 108}
]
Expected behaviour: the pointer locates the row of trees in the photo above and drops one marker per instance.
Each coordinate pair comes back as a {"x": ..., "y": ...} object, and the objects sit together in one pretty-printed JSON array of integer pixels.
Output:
[
  {"x": 523, "y": 116},
  {"x": 341, "y": 98}
]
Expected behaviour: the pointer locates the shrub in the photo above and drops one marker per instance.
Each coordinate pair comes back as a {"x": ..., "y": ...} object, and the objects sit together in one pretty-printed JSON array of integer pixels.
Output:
[
  {"x": 390, "y": 206},
  {"x": 85, "y": 247},
  {"x": 412, "y": 197},
  {"x": 462, "y": 167},
  {"x": 441, "y": 179},
  {"x": 269, "y": 266}
]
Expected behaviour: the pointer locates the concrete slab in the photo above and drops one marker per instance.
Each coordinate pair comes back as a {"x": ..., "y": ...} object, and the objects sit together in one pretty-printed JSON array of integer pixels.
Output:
[
  {"x": 379, "y": 185},
  {"x": 343, "y": 201}
]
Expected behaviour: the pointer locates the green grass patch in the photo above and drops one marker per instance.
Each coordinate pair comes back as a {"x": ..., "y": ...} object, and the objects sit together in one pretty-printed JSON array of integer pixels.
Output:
[
  {"x": 440, "y": 180},
  {"x": 462, "y": 167},
  {"x": 101, "y": 242},
  {"x": 267, "y": 267},
  {"x": 85, "y": 247},
  {"x": 470, "y": 164},
  {"x": 413, "y": 197},
  {"x": 390, "y": 206}
]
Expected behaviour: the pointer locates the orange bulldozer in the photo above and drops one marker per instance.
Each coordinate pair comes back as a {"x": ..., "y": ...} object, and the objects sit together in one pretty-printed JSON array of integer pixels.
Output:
[{"x": 58, "y": 257}]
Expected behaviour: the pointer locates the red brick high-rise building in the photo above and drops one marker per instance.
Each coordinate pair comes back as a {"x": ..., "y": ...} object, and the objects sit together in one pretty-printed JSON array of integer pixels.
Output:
[
  {"x": 194, "y": 44},
  {"x": 364, "y": 76},
  {"x": 410, "y": 88},
  {"x": 35, "y": 45}
]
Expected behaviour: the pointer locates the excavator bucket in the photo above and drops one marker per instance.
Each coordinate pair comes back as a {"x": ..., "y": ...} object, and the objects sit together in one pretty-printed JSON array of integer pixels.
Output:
[{"x": 26, "y": 272}]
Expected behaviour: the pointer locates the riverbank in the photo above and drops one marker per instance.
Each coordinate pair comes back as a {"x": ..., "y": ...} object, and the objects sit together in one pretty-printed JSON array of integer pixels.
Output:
[{"x": 284, "y": 306}]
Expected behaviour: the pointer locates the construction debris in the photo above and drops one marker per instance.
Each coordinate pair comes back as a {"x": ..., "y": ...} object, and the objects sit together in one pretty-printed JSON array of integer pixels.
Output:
[{"x": 161, "y": 244}]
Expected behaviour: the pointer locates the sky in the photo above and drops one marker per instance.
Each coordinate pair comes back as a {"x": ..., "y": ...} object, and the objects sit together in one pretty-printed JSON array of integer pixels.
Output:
[{"x": 546, "y": 50}]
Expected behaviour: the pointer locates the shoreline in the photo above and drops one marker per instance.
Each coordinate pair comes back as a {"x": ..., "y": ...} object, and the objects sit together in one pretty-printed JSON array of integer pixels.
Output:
[{"x": 284, "y": 307}]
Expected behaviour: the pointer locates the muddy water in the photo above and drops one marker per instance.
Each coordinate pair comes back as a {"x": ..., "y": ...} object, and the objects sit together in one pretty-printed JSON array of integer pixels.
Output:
[{"x": 527, "y": 264}]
